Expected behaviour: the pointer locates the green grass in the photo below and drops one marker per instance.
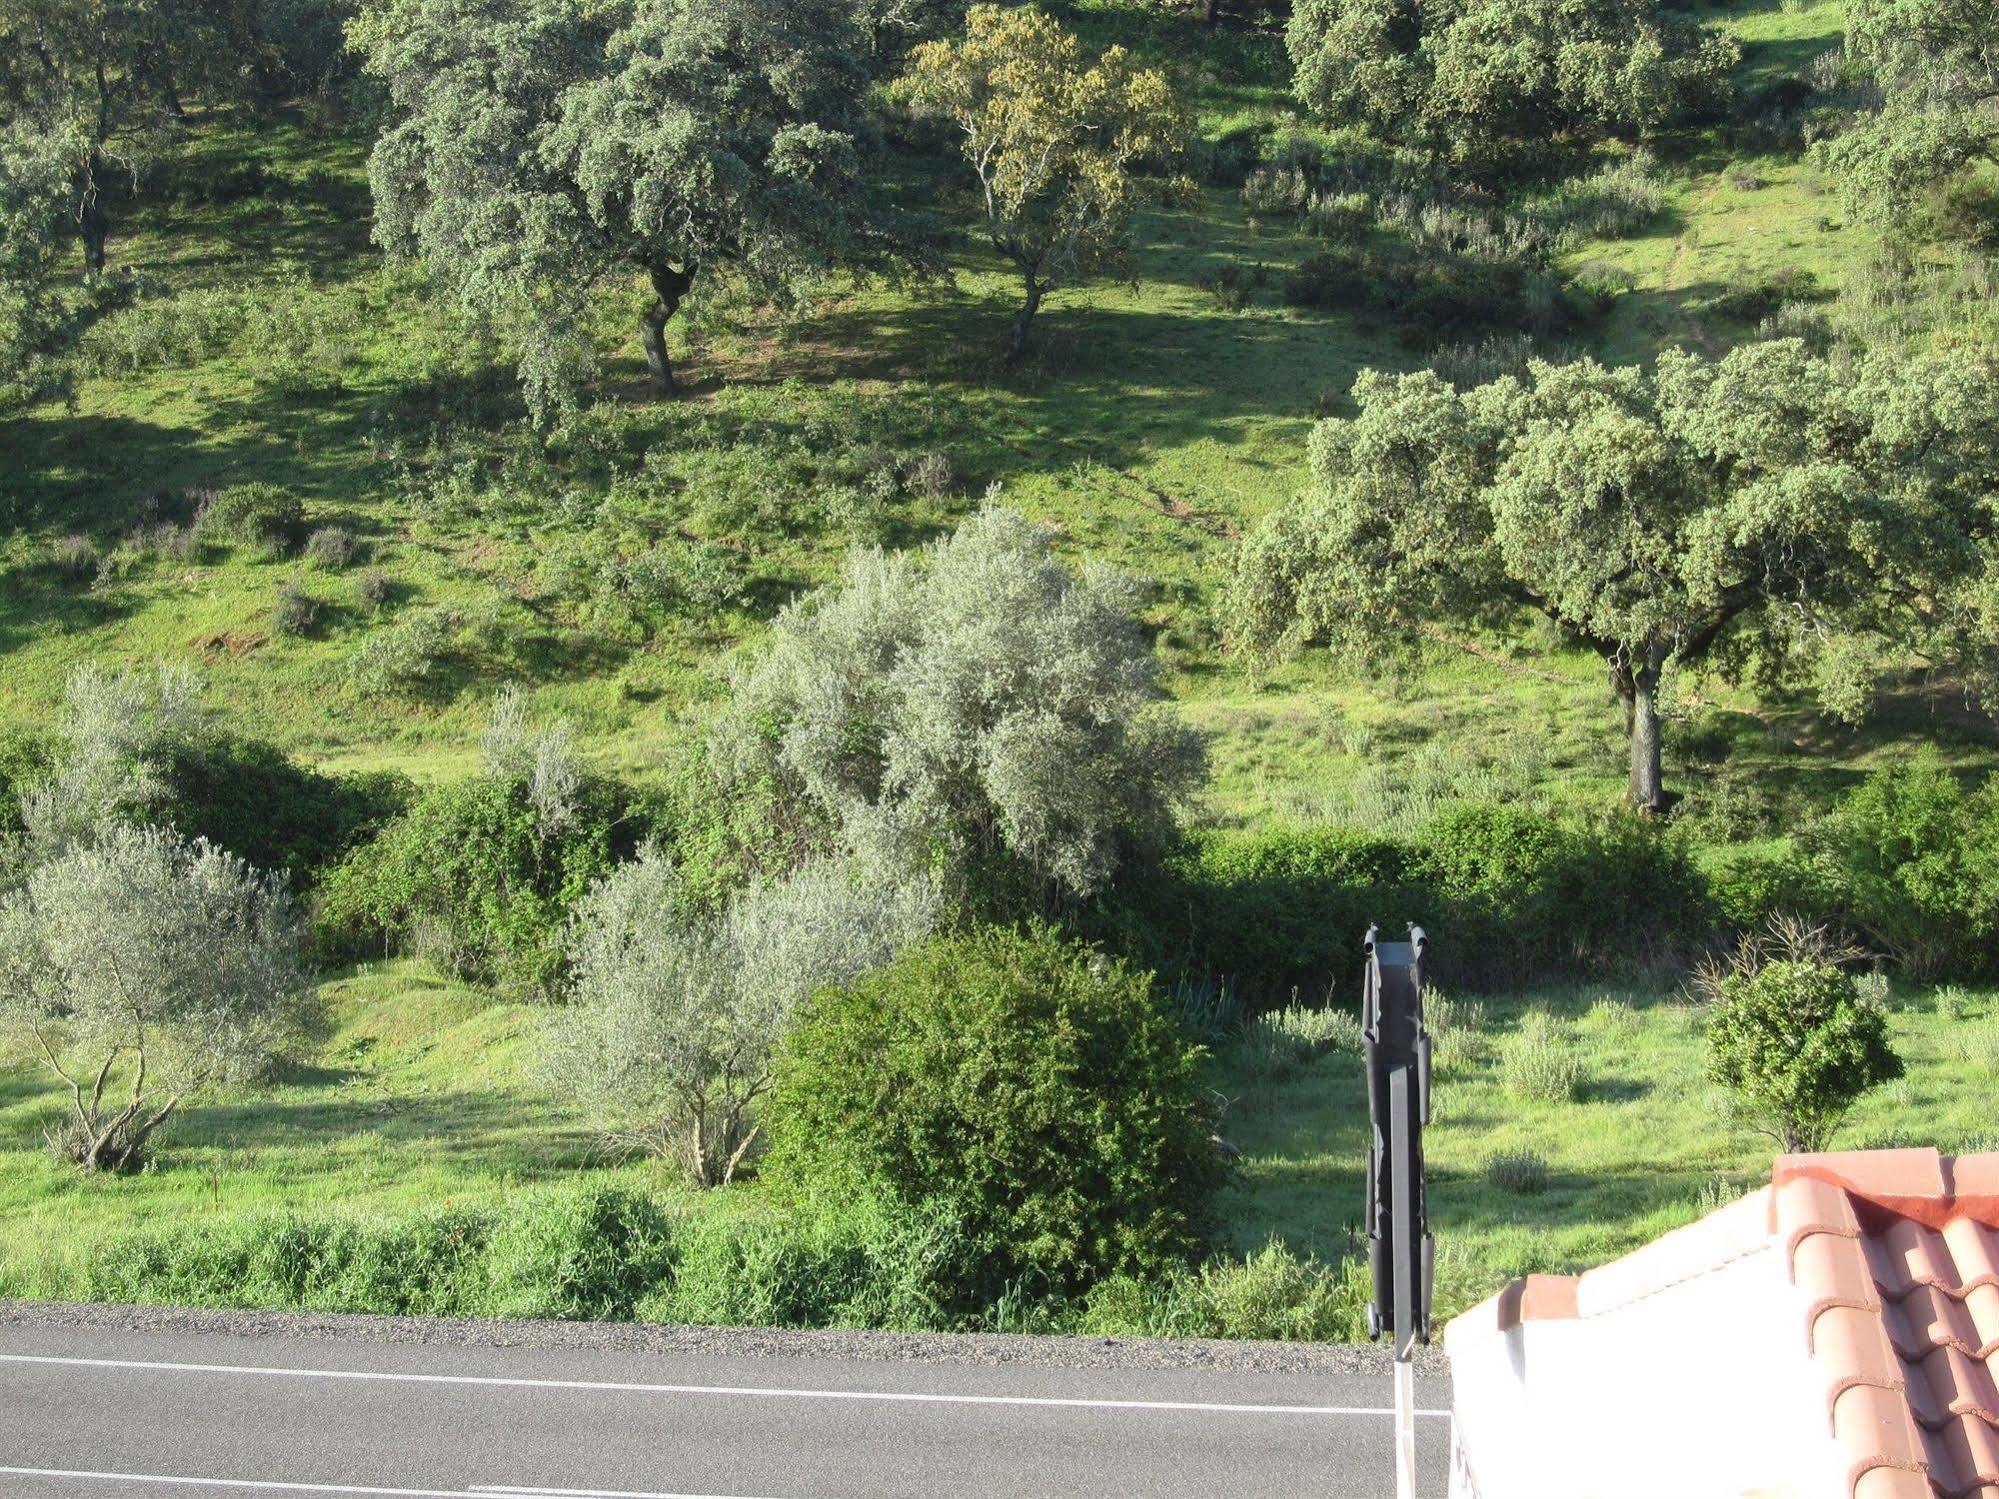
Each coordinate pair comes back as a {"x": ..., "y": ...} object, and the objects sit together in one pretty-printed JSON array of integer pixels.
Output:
[
  {"x": 425, "y": 1094},
  {"x": 1647, "y": 1147},
  {"x": 1151, "y": 427}
]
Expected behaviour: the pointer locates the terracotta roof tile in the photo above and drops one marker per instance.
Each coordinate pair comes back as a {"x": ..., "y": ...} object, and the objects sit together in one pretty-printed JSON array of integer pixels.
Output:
[{"x": 1897, "y": 1254}]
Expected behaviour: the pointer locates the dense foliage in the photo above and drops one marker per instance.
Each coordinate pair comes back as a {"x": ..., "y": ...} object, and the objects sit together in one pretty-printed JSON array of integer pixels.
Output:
[
  {"x": 478, "y": 879},
  {"x": 1796, "y": 1043},
  {"x": 1936, "y": 65},
  {"x": 976, "y": 706},
  {"x": 676, "y": 1015},
  {"x": 1772, "y": 513},
  {"x": 1483, "y": 81},
  {"x": 1032, "y": 1093},
  {"x": 540, "y": 151}
]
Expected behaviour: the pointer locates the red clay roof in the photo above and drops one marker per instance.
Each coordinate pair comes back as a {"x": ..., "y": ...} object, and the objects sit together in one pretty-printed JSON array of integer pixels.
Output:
[{"x": 1898, "y": 1251}]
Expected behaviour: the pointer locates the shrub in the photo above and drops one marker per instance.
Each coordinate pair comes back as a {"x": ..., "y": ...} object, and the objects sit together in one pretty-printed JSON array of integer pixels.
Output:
[
  {"x": 373, "y": 589},
  {"x": 296, "y": 611},
  {"x": 676, "y": 1015},
  {"x": 1036, "y": 1093},
  {"x": 74, "y": 558},
  {"x": 976, "y": 707},
  {"x": 331, "y": 549},
  {"x": 1909, "y": 861},
  {"x": 405, "y": 655},
  {"x": 256, "y": 515},
  {"x": 1520, "y": 1172},
  {"x": 176, "y": 960},
  {"x": 1539, "y": 1063},
  {"x": 475, "y": 869},
  {"x": 1794, "y": 1042},
  {"x": 1318, "y": 1029},
  {"x": 1952, "y": 1002}
]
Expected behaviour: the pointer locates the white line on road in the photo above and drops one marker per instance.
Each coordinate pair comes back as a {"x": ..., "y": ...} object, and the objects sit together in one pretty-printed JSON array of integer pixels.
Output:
[
  {"x": 274, "y": 1486},
  {"x": 763, "y": 1391}
]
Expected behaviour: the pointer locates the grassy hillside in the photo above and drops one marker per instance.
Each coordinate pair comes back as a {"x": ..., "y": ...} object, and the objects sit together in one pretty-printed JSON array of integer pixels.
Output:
[
  {"x": 261, "y": 338},
  {"x": 269, "y": 342}
]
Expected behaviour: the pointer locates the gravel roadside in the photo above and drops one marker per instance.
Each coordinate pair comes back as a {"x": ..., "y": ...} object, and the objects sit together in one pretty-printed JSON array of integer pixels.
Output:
[{"x": 735, "y": 1342}]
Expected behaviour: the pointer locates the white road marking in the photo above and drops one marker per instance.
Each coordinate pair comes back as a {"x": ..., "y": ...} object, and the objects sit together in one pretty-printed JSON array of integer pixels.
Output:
[
  {"x": 274, "y": 1486},
  {"x": 763, "y": 1391}
]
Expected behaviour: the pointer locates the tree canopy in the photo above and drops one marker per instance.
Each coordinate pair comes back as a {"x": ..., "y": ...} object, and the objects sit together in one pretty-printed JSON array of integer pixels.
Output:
[
  {"x": 1775, "y": 513},
  {"x": 1477, "y": 79},
  {"x": 103, "y": 81},
  {"x": 1055, "y": 140},
  {"x": 542, "y": 150},
  {"x": 975, "y": 706},
  {"x": 1936, "y": 63}
]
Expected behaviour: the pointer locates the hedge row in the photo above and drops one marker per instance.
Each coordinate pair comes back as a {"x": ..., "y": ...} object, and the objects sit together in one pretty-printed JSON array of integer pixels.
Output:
[
  {"x": 604, "y": 1254},
  {"x": 1506, "y": 895}
]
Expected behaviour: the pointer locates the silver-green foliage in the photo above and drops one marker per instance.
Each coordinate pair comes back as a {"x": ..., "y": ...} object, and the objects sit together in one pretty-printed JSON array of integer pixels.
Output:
[
  {"x": 119, "y": 730},
  {"x": 539, "y": 152},
  {"x": 141, "y": 969},
  {"x": 669, "y": 1037},
  {"x": 976, "y": 702}
]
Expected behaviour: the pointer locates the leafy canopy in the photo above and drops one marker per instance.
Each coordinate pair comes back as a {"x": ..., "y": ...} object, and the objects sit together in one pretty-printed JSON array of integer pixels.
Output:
[
  {"x": 1481, "y": 79},
  {"x": 1055, "y": 140},
  {"x": 975, "y": 706},
  {"x": 1936, "y": 63},
  {"x": 544, "y": 149},
  {"x": 1780, "y": 514}
]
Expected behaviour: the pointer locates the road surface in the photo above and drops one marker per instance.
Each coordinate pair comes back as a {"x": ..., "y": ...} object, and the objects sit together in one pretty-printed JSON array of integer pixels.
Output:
[{"x": 95, "y": 1408}]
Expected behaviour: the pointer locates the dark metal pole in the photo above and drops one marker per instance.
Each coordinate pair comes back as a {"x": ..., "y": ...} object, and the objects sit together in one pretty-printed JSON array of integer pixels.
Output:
[{"x": 1401, "y": 1251}]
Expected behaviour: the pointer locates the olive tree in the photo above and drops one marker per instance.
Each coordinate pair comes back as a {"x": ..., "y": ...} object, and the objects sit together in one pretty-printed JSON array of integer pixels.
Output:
[
  {"x": 34, "y": 200},
  {"x": 1772, "y": 514},
  {"x": 1936, "y": 64},
  {"x": 676, "y": 1015},
  {"x": 1473, "y": 79},
  {"x": 119, "y": 733},
  {"x": 541, "y": 150},
  {"x": 1055, "y": 140},
  {"x": 975, "y": 706},
  {"x": 139, "y": 970}
]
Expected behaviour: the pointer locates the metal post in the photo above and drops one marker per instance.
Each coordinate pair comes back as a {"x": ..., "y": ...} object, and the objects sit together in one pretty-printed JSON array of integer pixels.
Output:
[{"x": 1400, "y": 1249}]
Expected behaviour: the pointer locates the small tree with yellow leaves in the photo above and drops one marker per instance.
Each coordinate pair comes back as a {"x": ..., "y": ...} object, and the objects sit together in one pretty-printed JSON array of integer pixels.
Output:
[{"x": 1056, "y": 141}]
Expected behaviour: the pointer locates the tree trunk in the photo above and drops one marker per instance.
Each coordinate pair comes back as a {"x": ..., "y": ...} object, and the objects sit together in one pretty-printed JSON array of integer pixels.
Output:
[
  {"x": 671, "y": 285},
  {"x": 1214, "y": 14},
  {"x": 1031, "y": 304},
  {"x": 1637, "y": 687},
  {"x": 91, "y": 218}
]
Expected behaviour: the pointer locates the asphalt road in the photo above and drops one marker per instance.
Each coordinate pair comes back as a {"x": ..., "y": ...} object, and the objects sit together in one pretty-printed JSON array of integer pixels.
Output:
[{"x": 166, "y": 1410}]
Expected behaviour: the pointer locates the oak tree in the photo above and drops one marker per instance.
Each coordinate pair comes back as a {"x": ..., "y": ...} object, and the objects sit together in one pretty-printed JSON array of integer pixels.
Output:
[
  {"x": 543, "y": 149},
  {"x": 1055, "y": 139},
  {"x": 1772, "y": 514}
]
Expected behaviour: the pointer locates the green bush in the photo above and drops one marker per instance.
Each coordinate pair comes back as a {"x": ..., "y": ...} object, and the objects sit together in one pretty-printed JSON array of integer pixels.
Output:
[
  {"x": 1273, "y": 1294},
  {"x": 405, "y": 655},
  {"x": 1909, "y": 862},
  {"x": 1520, "y": 1172},
  {"x": 1508, "y": 895},
  {"x": 257, "y": 515},
  {"x": 1797, "y": 1046},
  {"x": 473, "y": 870},
  {"x": 1032, "y": 1092}
]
